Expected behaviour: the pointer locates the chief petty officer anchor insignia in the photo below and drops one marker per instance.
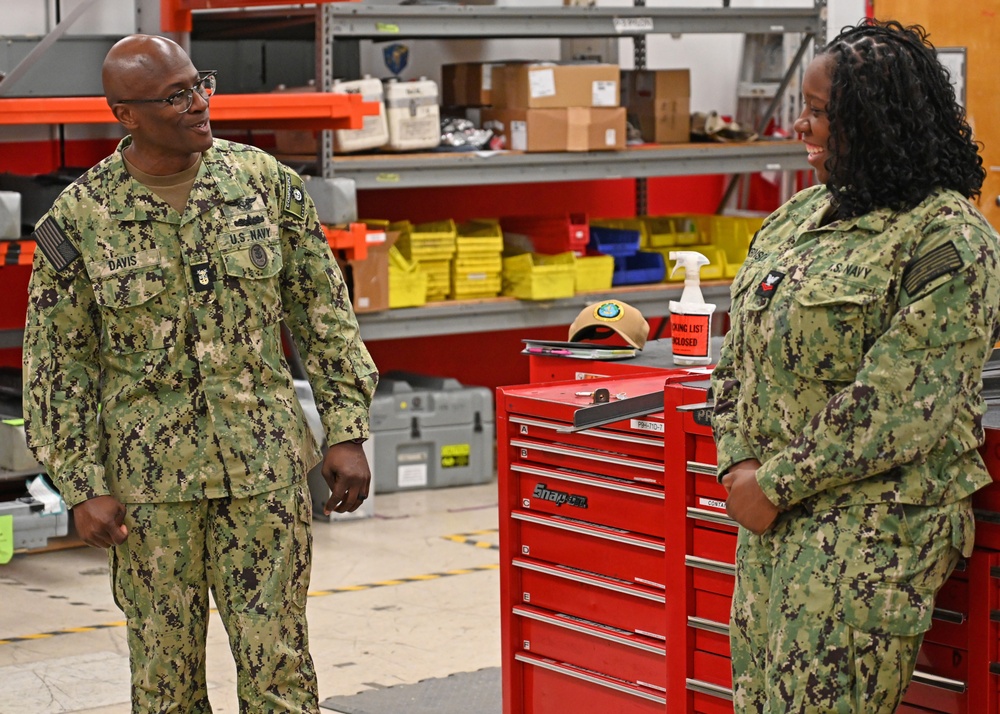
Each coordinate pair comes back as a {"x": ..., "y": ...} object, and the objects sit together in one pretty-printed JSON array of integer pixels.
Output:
[{"x": 202, "y": 275}]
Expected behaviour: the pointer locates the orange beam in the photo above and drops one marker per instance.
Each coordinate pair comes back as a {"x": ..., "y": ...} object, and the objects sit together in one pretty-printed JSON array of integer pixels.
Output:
[
  {"x": 353, "y": 240},
  {"x": 175, "y": 15},
  {"x": 312, "y": 110}
]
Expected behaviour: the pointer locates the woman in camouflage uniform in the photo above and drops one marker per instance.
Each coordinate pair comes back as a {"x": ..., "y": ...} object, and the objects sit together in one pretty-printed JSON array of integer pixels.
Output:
[{"x": 848, "y": 408}]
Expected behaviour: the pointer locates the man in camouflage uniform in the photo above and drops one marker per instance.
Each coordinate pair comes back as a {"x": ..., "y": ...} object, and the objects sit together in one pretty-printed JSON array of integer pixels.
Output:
[
  {"x": 158, "y": 396},
  {"x": 847, "y": 420}
]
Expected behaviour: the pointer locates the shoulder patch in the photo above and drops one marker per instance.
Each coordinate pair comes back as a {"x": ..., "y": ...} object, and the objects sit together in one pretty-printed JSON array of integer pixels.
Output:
[
  {"x": 293, "y": 195},
  {"x": 55, "y": 245},
  {"x": 943, "y": 260}
]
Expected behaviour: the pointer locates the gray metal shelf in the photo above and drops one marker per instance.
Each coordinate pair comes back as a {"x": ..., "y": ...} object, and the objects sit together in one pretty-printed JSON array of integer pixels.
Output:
[
  {"x": 472, "y": 316},
  {"x": 465, "y": 169},
  {"x": 384, "y": 22}
]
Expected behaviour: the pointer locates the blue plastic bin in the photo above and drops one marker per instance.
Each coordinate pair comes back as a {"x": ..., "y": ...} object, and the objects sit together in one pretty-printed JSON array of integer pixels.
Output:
[
  {"x": 643, "y": 267},
  {"x": 614, "y": 241}
]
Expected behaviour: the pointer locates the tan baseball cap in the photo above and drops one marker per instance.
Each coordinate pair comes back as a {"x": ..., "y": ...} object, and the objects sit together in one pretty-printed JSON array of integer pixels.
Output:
[{"x": 599, "y": 320}]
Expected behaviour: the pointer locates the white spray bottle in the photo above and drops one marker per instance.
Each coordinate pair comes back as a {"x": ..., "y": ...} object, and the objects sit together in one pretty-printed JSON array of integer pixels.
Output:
[{"x": 691, "y": 317}]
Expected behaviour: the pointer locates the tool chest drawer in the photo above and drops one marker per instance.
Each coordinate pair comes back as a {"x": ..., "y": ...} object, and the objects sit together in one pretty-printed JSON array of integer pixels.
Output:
[
  {"x": 907, "y": 708},
  {"x": 707, "y": 486},
  {"x": 617, "y": 653},
  {"x": 614, "y": 503},
  {"x": 697, "y": 420},
  {"x": 560, "y": 402},
  {"x": 552, "y": 687},
  {"x": 613, "y": 552},
  {"x": 712, "y": 575},
  {"x": 711, "y": 700},
  {"x": 946, "y": 697},
  {"x": 710, "y": 636},
  {"x": 714, "y": 545},
  {"x": 702, "y": 449},
  {"x": 712, "y": 606},
  {"x": 950, "y": 623},
  {"x": 600, "y": 463},
  {"x": 713, "y": 669},
  {"x": 939, "y": 680},
  {"x": 593, "y": 597},
  {"x": 642, "y": 446}
]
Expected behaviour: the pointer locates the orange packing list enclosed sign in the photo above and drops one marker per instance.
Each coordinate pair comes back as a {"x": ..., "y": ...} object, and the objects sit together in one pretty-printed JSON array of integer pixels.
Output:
[{"x": 689, "y": 334}]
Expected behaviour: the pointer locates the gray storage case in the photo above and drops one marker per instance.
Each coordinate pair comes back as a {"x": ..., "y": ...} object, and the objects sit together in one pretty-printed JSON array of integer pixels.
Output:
[{"x": 430, "y": 432}]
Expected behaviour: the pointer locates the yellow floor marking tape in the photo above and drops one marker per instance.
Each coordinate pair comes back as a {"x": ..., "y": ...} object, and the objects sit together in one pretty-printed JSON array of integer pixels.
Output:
[{"x": 315, "y": 593}]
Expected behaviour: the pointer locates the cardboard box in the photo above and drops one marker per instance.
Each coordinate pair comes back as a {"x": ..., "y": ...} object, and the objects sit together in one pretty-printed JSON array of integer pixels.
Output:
[
  {"x": 534, "y": 130},
  {"x": 549, "y": 86},
  {"x": 369, "y": 284},
  {"x": 659, "y": 103},
  {"x": 567, "y": 129},
  {"x": 467, "y": 84},
  {"x": 595, "y": 129}
]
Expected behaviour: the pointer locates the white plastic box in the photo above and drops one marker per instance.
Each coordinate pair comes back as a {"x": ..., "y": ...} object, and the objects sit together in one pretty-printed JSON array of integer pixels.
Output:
[
  {"x": 413, "y": 114},
  {"x": 375, "y": 131}
]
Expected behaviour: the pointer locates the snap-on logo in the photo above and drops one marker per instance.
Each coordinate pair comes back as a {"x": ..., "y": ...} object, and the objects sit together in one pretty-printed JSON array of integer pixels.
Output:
[{"x": 559, "y": 498}]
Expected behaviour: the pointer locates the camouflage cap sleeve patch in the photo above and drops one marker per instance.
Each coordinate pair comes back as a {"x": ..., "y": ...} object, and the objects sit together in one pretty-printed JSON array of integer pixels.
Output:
[
  {"x": 293, "y": 195},
  {"x": 943, "y": 260},
  {"x": 55, "y": 245}
]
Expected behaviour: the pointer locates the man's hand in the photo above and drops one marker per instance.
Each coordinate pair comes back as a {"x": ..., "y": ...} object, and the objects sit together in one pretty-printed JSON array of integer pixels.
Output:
[
  {"x": 346, "y": 471},
  {"x": 747, "y": 504},
  {"x": 100, "y": 521}
]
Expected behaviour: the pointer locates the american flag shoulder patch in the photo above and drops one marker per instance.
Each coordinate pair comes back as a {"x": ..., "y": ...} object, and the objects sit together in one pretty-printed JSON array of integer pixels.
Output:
[
  {"x": 55, "y": 245},
  {"x": 943, "y": 260}
]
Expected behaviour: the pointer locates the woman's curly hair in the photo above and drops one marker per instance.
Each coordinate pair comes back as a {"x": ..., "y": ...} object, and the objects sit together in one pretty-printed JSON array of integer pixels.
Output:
[{"x": 896, "y": 129}]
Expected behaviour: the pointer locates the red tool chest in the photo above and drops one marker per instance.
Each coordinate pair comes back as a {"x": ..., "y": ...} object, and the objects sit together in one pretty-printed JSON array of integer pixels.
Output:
[
  {"x": 582, "y": 545},
  {"x": 617, "y": 563}
]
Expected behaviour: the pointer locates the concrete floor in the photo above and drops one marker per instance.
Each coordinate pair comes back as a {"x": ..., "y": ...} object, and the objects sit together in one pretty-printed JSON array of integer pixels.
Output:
[{"x": 410, "y": 594}]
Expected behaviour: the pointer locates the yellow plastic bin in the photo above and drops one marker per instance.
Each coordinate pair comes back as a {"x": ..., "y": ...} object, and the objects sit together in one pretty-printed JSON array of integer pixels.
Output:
[
  {"x": 594, "y": 272},
  {"x": 534, "y": 276}
]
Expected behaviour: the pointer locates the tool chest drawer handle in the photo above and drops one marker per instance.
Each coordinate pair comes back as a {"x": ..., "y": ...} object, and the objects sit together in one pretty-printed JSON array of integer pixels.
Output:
[
  {"x": 696, "y": 407},
  {"x": 994, "y": 667},
  {"x": 698, "y": 467},
  {"x": 597, "y": 434},
  {"x": 577, "y": 674},
  {"x": 693, "y": 561},
  {"x": 953, "y": 616},
  {"x": 587, "y": 580},
  {"x": 581, "y": 454},
  {"x": 589, "y": 481},
  {"x": 703, "y": 514},
  {"x": 932, "y": 680},
  {"x": 592, "y": 631},
  {"x": 700, "y": 623},
  {"x": 584, "y": 530},
  {"x": 995, "y": 571},
  {"x": 696, "y": 685}
]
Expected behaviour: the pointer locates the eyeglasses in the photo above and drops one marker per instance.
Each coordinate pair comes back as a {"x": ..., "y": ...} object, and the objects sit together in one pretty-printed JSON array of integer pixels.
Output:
[{"x": 182, "y": 99}]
